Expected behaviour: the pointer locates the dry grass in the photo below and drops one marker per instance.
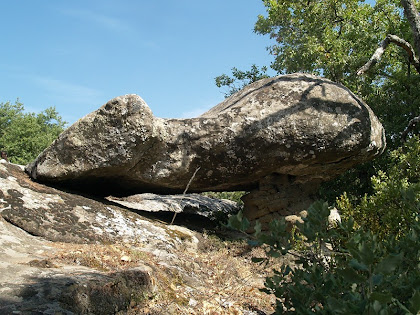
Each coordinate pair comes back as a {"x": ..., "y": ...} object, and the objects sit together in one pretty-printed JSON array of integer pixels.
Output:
[
  {"x": 218, "y": 277},
  {"x": 101, "y": 257}
]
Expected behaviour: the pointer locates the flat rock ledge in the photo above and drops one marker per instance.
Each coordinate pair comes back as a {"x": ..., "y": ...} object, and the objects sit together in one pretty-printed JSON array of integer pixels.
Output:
[
  {"x": 278, "y": 138},
  {"x": 211, "y": 208},
  {"x": 32, "y": 284}
]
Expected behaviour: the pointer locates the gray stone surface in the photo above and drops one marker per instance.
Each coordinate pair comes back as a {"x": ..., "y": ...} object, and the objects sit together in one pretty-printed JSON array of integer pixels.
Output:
[
  {"x": 189, "y": 204},
  {"x": 278, "y": 138},
  {"x": 121, "y": 263},
  {"x": 31, "y": 284},
  {"x": 279, "y": 196},
  {"x": 33, "y": 217}
]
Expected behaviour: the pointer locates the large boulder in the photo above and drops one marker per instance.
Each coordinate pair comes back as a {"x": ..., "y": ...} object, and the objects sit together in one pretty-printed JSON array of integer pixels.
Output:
[
  {"x": 295, "y": 129},
  {"x": 298, "y": 124}
]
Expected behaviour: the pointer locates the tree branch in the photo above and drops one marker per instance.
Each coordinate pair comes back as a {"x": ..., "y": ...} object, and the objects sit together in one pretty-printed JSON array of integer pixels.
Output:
[
  {"x": 410, "y": 127},
  {"x": 379, "y": 52}
]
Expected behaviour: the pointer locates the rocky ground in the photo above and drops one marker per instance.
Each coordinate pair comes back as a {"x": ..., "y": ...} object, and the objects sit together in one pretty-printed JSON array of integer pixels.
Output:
[
  {"x": 134, "y": 264},
  {"x": 41, "y": 277},
  {"x": 34, "y": 281}
]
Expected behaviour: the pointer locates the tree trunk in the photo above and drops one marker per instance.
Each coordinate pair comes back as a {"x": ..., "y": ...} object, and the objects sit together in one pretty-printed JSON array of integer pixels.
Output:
[{"x": 412, "y": 15}]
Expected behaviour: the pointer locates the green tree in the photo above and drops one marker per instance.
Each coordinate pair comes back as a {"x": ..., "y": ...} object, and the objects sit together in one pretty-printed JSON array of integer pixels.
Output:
[{"x": 24, "y": 135}]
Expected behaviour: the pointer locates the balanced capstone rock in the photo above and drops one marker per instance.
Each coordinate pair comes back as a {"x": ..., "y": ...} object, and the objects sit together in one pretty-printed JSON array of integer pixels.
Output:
[{"x": 288, "y": 131}]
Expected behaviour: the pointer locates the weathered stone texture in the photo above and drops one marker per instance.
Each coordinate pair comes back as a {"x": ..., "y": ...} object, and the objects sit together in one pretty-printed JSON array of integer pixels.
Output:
[
  {"x": 279, "y": 196},
  {"x": 298, "y": 124}
]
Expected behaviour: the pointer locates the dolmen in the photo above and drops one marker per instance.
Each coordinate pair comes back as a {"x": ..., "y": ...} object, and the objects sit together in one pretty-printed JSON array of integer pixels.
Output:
[{"x": 277, "y": 139}]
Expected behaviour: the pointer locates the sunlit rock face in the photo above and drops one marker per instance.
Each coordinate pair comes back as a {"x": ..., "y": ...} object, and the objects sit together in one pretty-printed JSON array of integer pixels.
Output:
[{"x": 288, "y": 131}]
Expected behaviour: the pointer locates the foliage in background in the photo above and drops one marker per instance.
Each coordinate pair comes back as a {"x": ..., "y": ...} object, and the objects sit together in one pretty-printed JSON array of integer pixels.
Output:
[
  {"x": 230, "y": 195},
  {"x": 24, "y": 135},
  {"x": 395, "y": 202},
  {"x": 340, "y": 269},
  {"x": 240, "y": 79}
]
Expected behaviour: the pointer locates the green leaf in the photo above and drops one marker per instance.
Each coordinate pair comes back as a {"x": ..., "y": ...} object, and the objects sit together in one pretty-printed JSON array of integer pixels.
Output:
[
  {"x": 366, "y": 253},
  {"x": 377, "y": 306},
  {"x": 415, "y": 302},
  {"x": 334, "y": 304},
  {"x": 357, "y": 265},
  {"x": 350, "y": 275},
  {"x": 274, "y": 253},
  {"x": 383, "y": 298},
  {"x": 238, "y": 222},
  {"x": 402, "y": 307},
  {"x": 377, "y": 279},
  {"x": 245, "y": 224},
  {"x": 257, "y": 228},
  {"x": 389, "y": 263}
]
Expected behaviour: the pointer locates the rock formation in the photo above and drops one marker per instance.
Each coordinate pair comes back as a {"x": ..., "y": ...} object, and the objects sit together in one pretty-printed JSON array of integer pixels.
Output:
[
  {"x": 92, "y": 256},
  {"x": 32, "y": 284},
  {"x": 278, "y": 138}
]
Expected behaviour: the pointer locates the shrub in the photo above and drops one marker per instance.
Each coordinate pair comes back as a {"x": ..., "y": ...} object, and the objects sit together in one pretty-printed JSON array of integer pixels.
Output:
[
  {"x": 395, "y": 201},
  {"x": 341, "y": 270}
]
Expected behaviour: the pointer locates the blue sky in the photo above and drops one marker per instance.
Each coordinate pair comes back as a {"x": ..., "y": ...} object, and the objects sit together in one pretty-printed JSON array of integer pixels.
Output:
[{"x": 76, "y": 55}]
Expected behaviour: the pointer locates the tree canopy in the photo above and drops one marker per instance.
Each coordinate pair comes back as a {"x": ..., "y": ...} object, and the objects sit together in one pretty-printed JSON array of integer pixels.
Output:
[{"x": 24, "y": 135}]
